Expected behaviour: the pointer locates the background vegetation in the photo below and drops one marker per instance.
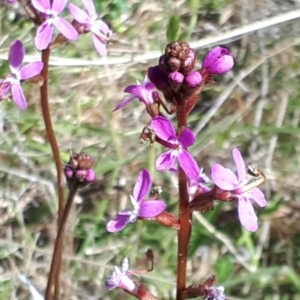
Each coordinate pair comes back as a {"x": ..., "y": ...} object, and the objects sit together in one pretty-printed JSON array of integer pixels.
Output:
[{"x": 256, "y": 108}]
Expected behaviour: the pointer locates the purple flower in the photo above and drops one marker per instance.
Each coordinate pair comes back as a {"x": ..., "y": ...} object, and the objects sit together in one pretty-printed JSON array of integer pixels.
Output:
[
  {"x": 144, "y": 92},
  {"x": 13, "y": 81},
  {"x": 217, "y": 61},
  {"x": 50, "y": 12},
  {"x": 120, "y": 278},
  {"x": 216, "y": 293},
  {"x": 238, "y": 185},
  {"x": 100, "y": 30},
  {"x": 199, "y": 185},
  {"x": 164, "y": 129},
  {"x": 141, "y": 208}
]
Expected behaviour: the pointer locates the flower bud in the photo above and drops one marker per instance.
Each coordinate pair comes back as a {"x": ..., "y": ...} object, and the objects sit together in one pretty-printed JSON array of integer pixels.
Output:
[
  {"x": 158, "y": 77},
  {"x": 217, "y": 61},
  {"x": 168, "y": 220},
  {"x": 163, "y": 64},
  {"x": 78, "y": 170},
  {"x": 173, "y": 49},
  {"x": 175, "y": 79},
  {"x": 192, "y": 79},
  {"x": 174, "y": 64},
  {"x": 188, "y": 63},
  {"x": 184, "y": 52}
]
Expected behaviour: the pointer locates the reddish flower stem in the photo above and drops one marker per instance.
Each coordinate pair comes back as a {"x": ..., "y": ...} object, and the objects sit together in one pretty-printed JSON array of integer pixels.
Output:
[
  {"x": 184, "y": 232},
  {"x": 56, "y": 258},
  {"x": 53, "y": 143}
]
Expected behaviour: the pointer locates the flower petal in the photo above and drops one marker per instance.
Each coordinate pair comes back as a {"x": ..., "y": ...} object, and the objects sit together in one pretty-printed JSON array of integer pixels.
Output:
[
  {"x": 143, "y": 185},
  {"x": 41, "y": 5},
  {"x": 258, "y": 196},
  {"x": 151, "y": 208},
  {"x": 165, "y": 161},
  {"x": 31, "y": 70},
  {"x": 18, "y": 96},
  {"x": 66, "y": 29},
  {"x": 224, "y": 178},
  {"x": 189, "y": 165},
  {"x": 163, "y": 128},
  {"x": 16, "y": 54},
  {"x": 135, "y": 89},
  {"x": 247, "y": 214},
  {"x": 58, "y": 6},
  {"x": 43, "y": 36},
  {"x": 99, "y": 45},
  {"x": 78, "y": 14},
  {"x": 186, "y": 138},
  {"x": 239, "y": 163},
  {"x": 90, "y": 7},
  {"x": 124, "y": 102},
  {"x": 4, "y": 88},
  {"x": 118, "y": 223}
]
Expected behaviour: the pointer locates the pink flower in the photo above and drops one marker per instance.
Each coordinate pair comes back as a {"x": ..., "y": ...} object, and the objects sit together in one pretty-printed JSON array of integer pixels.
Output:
[
  {"x": 18, "y": 74},
  {"x": 144, "y": 92},
  {"x": 164, "y": 129},
  {"x": 100, "y": 30},
  {"x": 240, "y": 189},
  {"x": 217, "y": 61},
  {"x": 141, "y": 208},
  {"x": 199, "y": 185},
  {"x": 50, "y": 13},
  {"x": 120, "y": 278}
]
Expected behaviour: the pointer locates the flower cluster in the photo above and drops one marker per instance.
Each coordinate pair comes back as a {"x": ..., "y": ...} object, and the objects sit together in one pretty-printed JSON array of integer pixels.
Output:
[
  {"x": 83, "y": 23},
  {"x": 79, "y": 170},
  {"x": 49, "y": 12},
  {"x": 180, "y": 85}
]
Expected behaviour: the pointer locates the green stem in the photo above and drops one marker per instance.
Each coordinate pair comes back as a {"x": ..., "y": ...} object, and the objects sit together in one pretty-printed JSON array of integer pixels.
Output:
[{"x": 56, "y": 258}]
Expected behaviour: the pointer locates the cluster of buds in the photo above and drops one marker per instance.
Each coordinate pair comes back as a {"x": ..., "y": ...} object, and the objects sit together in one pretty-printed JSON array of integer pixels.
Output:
[
  {"x": 78, "y": 170},
  {"x": 175, "y": 75},
  {"x": 207, "y": 290}
]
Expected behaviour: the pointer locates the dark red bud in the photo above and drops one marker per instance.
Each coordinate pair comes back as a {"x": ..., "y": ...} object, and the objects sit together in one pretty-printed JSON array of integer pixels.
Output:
[
  {"x": 174, "y": 64},
  {"x": 188, "y": 63},
  {"x": 184, "y": 51},
  {"x": 168, "y": 220},
  {"x": 163, "y": 64},
  {"x": 173, "y": 49}
]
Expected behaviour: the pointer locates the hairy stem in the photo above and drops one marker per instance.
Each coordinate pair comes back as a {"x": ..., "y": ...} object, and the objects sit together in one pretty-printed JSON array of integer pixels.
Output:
[
  {"x": 184, "y": 232},
  {"x": 53, "y": 143},
  {"x": 56, "y": 258}
]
